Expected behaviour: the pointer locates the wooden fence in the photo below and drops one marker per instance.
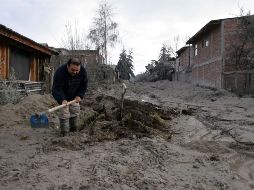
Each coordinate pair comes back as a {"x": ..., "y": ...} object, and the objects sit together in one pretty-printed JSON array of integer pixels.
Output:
[{"x": 239, "y": 82}]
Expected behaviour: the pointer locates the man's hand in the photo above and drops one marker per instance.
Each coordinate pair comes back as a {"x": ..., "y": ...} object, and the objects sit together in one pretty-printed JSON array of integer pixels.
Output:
[
  {"x": 64, "y": 102},
  {"x": 78, "y": 99}
]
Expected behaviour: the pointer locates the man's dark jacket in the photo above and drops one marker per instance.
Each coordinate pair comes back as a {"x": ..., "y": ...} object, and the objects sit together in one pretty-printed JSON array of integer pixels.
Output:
[{"x": 67, "y": 87}]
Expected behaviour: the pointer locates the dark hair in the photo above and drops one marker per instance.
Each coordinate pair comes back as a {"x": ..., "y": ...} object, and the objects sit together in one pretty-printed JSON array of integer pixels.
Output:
[{"x": 74, "y": 61}]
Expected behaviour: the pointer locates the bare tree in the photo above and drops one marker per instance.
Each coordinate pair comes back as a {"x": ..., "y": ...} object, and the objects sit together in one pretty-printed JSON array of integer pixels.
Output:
[
  {"x": 176, "y": 41},
  {"x": 241, "y": 49},
  {"x": 104, "y": 30},
  {"x": 74, "y": 38},
  {"x": 172, "y": 45}
]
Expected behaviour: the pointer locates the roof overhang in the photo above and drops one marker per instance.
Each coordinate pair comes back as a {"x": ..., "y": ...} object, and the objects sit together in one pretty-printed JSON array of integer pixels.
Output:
[
  {"x": 181, "y": 50},
  {"x": 10, "y": 34},
  {"x": 209, "y": 26}
]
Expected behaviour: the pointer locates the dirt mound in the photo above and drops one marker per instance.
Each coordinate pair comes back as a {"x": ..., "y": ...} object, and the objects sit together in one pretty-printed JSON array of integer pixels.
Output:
[
  {"x": 101, "y": 120},
  {"x": 138, "y": 119},
  {"x": 19, "y": 114}
]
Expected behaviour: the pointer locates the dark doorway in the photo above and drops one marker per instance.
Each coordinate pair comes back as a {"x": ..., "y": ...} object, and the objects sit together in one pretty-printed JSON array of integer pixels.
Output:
[{"x": 19, "y": 63}]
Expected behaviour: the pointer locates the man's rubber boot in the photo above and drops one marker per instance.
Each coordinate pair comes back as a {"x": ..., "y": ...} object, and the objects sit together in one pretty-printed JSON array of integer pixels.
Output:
[
  {"x": 73, "y": 124},
  {"x": 64, "y": 126}
]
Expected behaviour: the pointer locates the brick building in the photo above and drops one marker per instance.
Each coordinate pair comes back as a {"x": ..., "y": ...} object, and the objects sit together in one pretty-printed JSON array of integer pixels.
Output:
[
  {"x": 211, "y": 60},
  {"x": 183, "y": 64},
  {"x": 87, "y": 57},
  {"x": 91, "y": 60},
  {"x": 208, "y": 50}
]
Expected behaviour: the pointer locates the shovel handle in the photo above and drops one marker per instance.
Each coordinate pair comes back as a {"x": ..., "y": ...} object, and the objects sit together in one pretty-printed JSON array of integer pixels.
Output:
[{"x": 61, "y": 106}]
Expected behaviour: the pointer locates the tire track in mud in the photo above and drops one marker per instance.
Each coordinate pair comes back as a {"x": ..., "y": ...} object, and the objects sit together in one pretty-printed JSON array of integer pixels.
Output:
[
  {"x": 243, "y": 167},
  {"x": 211, "y": 133},
  {"x": 216, "y": 136},
  {"x": 213, "y": 129}
]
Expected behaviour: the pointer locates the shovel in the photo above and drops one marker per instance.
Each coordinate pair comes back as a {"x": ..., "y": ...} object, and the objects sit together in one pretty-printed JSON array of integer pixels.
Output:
[{"x": 40, "y": 120}]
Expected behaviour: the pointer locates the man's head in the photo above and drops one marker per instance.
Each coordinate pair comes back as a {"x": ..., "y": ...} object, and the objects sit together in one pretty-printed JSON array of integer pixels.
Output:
[{"x": 73, "y": 66}]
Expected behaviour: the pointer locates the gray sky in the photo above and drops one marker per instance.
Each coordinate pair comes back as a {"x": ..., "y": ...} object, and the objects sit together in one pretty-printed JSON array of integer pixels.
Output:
[{"x": 144, "y": 25}]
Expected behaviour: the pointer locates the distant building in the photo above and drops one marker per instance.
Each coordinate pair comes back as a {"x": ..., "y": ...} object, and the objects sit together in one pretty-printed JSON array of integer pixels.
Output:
[
  {"x": 208, "y": 61},
  {"x": 183, "y": 64},
  {"x": 87, "y": 57},
  {"x": 91, "y": 60}
]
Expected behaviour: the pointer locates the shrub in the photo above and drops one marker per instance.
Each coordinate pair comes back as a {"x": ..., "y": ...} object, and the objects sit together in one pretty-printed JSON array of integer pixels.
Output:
[{"x": 9, "y": 90}]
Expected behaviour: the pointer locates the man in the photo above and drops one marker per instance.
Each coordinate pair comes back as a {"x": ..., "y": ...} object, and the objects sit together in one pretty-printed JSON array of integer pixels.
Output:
[{"x": 70, "y": 83}]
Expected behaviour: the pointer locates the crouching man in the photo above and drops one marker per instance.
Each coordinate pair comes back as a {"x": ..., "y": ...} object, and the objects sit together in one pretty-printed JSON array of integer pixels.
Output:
[{"x": 69, "y": 83}]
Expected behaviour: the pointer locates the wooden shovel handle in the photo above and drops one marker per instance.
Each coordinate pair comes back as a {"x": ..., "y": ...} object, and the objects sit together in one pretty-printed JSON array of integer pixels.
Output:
[{"x": 61, "y": 106}]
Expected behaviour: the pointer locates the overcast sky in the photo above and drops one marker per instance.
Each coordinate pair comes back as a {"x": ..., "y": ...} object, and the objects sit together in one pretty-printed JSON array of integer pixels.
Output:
[{"x": 144, "y": 25}]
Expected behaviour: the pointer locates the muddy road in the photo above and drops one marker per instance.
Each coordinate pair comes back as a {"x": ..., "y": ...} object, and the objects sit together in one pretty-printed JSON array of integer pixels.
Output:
[{"x": 170, "y": 136}]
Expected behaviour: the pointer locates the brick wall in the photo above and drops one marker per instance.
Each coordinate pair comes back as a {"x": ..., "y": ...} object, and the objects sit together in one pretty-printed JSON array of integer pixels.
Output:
[
  {"x": 234, "y": 35},
  {"x": 213, "y": 65},
  {"x": 185, "y": 59},
  {"x": 183, "y": 65},
  {"x": 230, "y": 38},
  {"x": 205, "y": 54},
  {"x": 207, "y": 75},
  {"x": 207, "y": 66}
]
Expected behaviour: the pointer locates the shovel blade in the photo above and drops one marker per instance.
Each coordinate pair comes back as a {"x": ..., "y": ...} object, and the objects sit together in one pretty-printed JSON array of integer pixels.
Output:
[{"x": 39, "y": 121}]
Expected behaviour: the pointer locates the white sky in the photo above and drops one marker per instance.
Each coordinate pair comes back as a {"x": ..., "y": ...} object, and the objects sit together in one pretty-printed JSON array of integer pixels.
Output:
[{"x": 144, "y": 25}]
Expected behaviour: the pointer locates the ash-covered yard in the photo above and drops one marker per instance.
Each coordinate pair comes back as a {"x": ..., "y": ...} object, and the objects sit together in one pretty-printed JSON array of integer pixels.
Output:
[{"x": 169, "y": 135}]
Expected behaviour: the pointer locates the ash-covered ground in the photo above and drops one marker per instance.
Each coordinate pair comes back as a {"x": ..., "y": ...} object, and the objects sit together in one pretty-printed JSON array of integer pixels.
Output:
[{"x": 169, "y": 135}]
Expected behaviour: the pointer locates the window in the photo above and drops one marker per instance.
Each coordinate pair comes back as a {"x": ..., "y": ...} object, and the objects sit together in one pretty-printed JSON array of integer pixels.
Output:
[
  {"x": 195, "y": 49},
  {"x": 205, "y": 43}
]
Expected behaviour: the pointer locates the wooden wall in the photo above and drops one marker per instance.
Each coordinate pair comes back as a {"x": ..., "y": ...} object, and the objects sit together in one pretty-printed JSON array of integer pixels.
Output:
[
  {"x": 4, "y": 59},
  {"x": 35, "y": 66}
]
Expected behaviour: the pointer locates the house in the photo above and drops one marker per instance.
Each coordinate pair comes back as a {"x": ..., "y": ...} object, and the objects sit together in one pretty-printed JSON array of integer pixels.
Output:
[
  {"x": 91, "y": 60},
  {"x": 22, "y": 56},
  {"x": 87, "y": 57},
  {"x": 183, "y": 64},
  {"x": 214, "y": 59}
]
